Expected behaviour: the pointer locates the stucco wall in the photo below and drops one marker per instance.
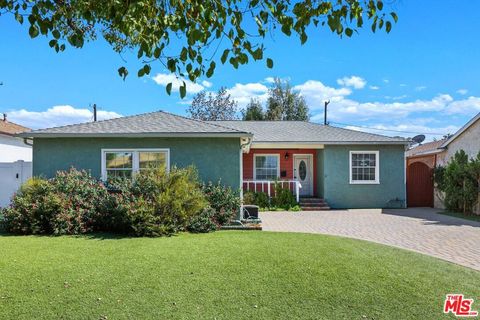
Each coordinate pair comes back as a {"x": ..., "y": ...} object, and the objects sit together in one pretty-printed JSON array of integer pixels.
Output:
[
  {"x": 468, "y": 141},
  {"x": 215, "y": 158},
  {"x": 13, "y": 149},
  {"x": 390, "y": 192}
]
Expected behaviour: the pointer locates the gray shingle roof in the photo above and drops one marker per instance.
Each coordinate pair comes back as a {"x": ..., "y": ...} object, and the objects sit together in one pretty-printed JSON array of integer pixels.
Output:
[
  {"x": 300, "y": 131},
  {"x": 158, "y": 123}
]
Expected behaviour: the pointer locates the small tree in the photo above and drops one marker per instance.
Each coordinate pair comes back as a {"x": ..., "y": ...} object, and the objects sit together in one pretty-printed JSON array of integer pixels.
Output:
[
  {"x": 460, "y": 181},
  {"x": 213, "y": 107},
  {"x": 285, "y": 104},
  {"x": 254, "y": 111}
]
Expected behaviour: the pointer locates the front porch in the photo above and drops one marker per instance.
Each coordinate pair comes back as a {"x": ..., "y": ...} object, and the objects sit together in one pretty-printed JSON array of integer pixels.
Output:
[{"x": 294, "y": 169}]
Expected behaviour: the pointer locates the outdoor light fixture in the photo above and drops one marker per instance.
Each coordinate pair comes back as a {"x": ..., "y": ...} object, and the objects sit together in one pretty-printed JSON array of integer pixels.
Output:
[{"x": 286, "y": 155}]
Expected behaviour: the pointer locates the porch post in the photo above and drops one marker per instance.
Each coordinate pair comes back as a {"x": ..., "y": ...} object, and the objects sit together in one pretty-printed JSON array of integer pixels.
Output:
[
  {"x": 297, "y": 191},
  {"x": 241, "y": 182}
]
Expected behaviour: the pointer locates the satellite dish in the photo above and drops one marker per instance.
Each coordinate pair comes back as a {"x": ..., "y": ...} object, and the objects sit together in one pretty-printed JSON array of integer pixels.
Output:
[{"x": 419, "y": 139}]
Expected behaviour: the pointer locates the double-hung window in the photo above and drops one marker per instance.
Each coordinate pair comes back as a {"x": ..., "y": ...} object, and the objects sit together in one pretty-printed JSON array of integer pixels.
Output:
[
  {"x": 266, "y": 167},
  {"x": 364, "y": 167},
  {"x": 123, "y": 163}
]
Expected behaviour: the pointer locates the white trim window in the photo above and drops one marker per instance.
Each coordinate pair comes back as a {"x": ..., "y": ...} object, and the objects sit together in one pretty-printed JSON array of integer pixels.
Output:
[
  {"x": 364, "y": 167},
  {"x": 266, "y": 166},
  {"x": 123, "y": 163}
]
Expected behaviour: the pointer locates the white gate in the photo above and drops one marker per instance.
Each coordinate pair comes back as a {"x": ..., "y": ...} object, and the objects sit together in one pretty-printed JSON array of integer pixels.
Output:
[{"x": 12, "y": 175}]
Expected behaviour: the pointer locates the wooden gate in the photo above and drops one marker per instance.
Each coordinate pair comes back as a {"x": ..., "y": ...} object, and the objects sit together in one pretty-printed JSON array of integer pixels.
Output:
[{"x": 419, "y": 185}]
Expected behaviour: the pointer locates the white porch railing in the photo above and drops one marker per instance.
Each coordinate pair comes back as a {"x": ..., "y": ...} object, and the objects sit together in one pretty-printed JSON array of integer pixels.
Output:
[{"x": 267, "y": 186}]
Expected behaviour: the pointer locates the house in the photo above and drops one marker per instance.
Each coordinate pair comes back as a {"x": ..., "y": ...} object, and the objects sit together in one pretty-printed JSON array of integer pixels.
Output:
[
  {"x": 15, "y": 159},
  {"x": 350, "y": 169},
  {"x": 13, "y": 148},
  {"x": 422, "y": 159}
]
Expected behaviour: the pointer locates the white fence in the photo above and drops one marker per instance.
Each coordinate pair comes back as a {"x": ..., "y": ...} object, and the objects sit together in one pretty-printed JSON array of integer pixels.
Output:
[
  {"x": 267, "y": 186},
  {"x": 12, "y": 175}
]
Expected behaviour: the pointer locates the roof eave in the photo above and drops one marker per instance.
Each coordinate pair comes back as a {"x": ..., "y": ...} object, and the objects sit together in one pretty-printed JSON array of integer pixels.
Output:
[
  {"x": 332, "y": 142},
  {"x": 136, "y": 135}
]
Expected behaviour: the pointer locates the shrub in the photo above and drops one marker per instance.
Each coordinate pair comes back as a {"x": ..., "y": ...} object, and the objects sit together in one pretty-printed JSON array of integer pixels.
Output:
[
  {"x": 257, "y": 198},
  {"x": 460, "y": 181},
  {"x": 204, "y": 222},
  {"x": 223, "y": 200},
  {"x": 33, "y": 208},
  {"x": 283, "y": 198},
  {"x": 84, "y": 198}
]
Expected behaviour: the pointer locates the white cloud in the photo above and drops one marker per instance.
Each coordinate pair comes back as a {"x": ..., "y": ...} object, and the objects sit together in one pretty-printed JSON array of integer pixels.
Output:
[
  {"x": 316, "y": 93},
  {"x": 57, "y": 116},
  {"x": 403, "y": 96},
  {"x": 164, "y": 79},
  {"x": 206, "y": 84},
  {"x": 420, "y": 88},
  {"x": 353, "y": 81},
  {"x": 466, "y": 106},
  {"x": 462, "y": 91},
  {"x": 386, "y": 81},
  {"x": 269, "y": 79},
  {"x": 243, "y": 93},
  {"x": 374, "y": 87},
  {"x": 403, "y": 85}
]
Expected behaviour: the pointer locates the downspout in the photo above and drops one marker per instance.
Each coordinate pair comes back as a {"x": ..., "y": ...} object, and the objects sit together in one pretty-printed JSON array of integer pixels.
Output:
[
  {"x": 25, "y": 140},
  {"x": 243, "y": 146}
]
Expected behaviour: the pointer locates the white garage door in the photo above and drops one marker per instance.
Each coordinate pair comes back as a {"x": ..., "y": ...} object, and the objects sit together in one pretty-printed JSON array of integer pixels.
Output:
[{"x": 12, "y": 175}]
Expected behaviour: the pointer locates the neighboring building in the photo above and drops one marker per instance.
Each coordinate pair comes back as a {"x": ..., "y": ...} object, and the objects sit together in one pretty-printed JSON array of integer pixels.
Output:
[
  {"x": 13, "y": 148},
  {"x": 15, "y": 159},
  {"x": 421, "y": 162},
  {"x": 350, "y": 169},
  {"x": 466, "y": 139},
  {"x": 422, "y": 159}
]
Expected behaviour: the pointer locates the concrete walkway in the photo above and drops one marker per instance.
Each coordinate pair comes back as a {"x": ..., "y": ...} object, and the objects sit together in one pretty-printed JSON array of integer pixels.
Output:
[{"x": 418, "y": 229}]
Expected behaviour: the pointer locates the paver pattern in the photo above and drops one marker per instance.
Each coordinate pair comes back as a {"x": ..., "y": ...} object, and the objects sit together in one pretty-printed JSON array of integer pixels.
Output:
[{"x": 418, "y": 229}]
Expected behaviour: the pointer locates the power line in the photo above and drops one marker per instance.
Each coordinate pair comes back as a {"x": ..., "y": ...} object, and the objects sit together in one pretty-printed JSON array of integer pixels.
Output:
[{"x": 400, "y": 131}]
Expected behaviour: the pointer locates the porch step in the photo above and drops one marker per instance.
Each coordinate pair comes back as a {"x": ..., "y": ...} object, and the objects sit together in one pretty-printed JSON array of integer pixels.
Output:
[{"x": 313, "y": 204}]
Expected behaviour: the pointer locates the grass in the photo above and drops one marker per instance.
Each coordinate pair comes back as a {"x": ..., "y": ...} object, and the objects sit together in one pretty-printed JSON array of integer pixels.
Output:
[
  {"x": 223, "y": 275},
  {"x": 472, "y": 217}
]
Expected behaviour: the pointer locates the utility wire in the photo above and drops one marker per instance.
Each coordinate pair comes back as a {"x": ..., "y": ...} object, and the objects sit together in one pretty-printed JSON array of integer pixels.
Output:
[{"x": 400, "y": 131}]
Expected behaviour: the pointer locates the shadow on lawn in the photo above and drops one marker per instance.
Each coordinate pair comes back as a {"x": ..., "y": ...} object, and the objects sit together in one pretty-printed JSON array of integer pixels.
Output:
[
  {"x": 432, "y": 217},
  {"x": 88, "y": 236}
]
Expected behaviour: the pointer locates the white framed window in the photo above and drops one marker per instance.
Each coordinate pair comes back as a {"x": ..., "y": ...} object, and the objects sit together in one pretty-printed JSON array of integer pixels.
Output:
[
  {"x": 266, "y": 166},
  {"x": 364, "y": 167},
  {"x": 123, "y": 163}
]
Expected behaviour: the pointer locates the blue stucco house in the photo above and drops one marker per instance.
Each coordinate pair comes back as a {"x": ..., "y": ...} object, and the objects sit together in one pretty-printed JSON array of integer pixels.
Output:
[{"x": 344, "y": 168}]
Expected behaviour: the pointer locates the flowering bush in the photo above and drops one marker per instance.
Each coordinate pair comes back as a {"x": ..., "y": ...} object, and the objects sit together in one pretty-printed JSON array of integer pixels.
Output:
[
  {"x": 223, "y": 200},
  {"x": 154, "y": 203}
]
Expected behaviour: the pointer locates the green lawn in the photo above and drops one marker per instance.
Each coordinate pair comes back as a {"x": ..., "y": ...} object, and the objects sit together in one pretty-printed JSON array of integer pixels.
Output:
[{"x": 224, "y": 275}]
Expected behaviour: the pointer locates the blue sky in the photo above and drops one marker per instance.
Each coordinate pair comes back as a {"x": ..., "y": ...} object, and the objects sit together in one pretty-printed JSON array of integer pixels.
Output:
[{"x": 423, "y": 77}]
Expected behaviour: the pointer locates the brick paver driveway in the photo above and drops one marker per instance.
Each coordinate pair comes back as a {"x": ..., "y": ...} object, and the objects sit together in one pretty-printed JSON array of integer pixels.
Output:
[{"x": 418, "y": 229}]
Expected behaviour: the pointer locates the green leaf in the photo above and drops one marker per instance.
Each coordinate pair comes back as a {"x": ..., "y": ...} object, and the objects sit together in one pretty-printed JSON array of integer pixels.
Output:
[
  {"x": 211, "y": 69},
  {"x": 224, "y": 56},
  {"x": 19, "y": 17},
  {"x": 380, "y": 5},
  {"x": 388, "y": 26},
  {"x": 122, "y": 72},
  {"x": 156, "y": 53},
  {"x": 183, "y": 90},
  {"x": 348, "y": 32},
  {"x": 171, "y": 65},
  {"x": 303, "y": 37},
  {"x": 183, "y": 54},
  {"x": 269, "y": 63},
  {"x": 33, "y": 31},
  {"x": 169, "y": 88},
  {"x": 147, "y": 68},
  {"x": 56, "y": 34},
  {"x": 394, "y": 16},
  {"x": 141, "y": 72}
]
